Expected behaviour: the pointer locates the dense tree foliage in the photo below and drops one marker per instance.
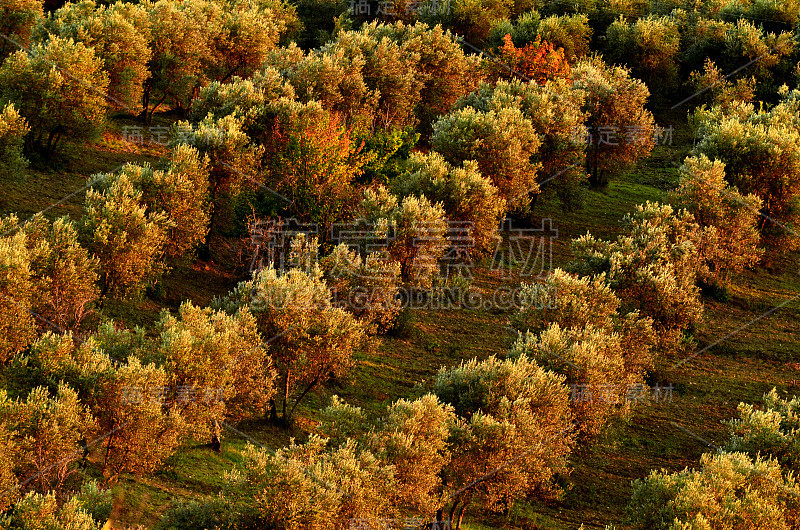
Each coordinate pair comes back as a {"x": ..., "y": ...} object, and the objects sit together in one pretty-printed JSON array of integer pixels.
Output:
[
  {"x": 769, "y": 430},
  {"x": 217, "y": 367},
  {"x": 729, "y": 220},
  {"x": 650, "y": 45},
  {"x": 312, "y": 160},
  {"x": 304, "y": 486},
  {"x": 511, "y": 411},
  {"x": 119, "y": 35},
  {"x": 577, "y": 326},
  {"x": 375, "y": 162},
  {"x": 233, "y": 160},
  {"x": 416, "y": 230},
  {"x": 17, "y": 19},
  {"x": 311, "y": 341},
  {"x": 17, "y": 291},
  {"x": 64, "y": 275},
  {"x": 554, "y": 111},
  {"x": 59, "y": 88},
  {"x": 367, "y": 286},
  {"x": 652, "y": 267},
  {"x": 37, "y": 510},
  {"x": 46, "y": 433},
  {"x": 619, "y": 128},
  {"x": 571, "y": 33},
  {"x": 464, "y": 193},
  {"x": 538, "y": 61},
  {"x": 180, "y": 191},
  {"x": 127, "y": 239},
  {"x": 503, "y": 143},
  {"x": 729, "y": 490},
  {"x": 759, "y": 150},
  {"x": 13, "y": 129}
]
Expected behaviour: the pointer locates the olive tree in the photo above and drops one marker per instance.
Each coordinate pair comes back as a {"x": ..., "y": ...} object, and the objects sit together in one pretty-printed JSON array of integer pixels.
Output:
[
  {"x": 13, "y": 129},
  {"x": 64, "y": 274},
  {"x": 759, "y": 151},
  {"x": 620, "y": 129},
  {"x": 729, "y": 490},
  {"x": 443, "y": 71},
  {"x": 503, "y": 142},
  {"x": 412, "y": 437},
  {"x": 197, "y": 41},
  {"x": 245, "y": 98},
  {"x": 179, "y": 50},
  {"x": 649, "y": 47},
  {"x": 464, "y": 193},
  {"x": 652, "y": 267},
  {"x": 59, "y": 87},
  {"x": 119, "y": 35},
  {"x": 46, "y": 433},
  {"x": 334, "y": 80},
  {"x": 772, "y": 429},
  {"x": 130, "y": 400},
  {"x": 728, "y": 218},
  {"x": 311, "y": 341},
  {"x": 714, "y": 88},
  {"x": 313, "y": 161},
  {"x": 17, "y": 19},
  {"x": 367, "y": 286},
  {"x": 17, "y": 292},
  {"x": 575, "y": 303},
  {"x": 180, "y": 190},
  {"x": 217, "y": 367},
  {"x": 123, "y": 235},
  {"x": 593, "y": 362},
  {"x": 513, "y": 434},
  {"x": 570, "y": 32},
  {"x": 415, "y": 229},
  {"x": 555, "y": 112},
  {"x": 43, "y": 510},
  {"x": 388, "y": 70},
  {"x": 143, "y": 428},
  {"x": 305, "y": 486},
  {"x": 246, "y": 31},
  {"x": 233, "y": 159}
]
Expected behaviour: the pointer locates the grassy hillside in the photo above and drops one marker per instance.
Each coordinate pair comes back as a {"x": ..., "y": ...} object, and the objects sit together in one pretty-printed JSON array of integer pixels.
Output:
[{"x": 739, "y": 362}]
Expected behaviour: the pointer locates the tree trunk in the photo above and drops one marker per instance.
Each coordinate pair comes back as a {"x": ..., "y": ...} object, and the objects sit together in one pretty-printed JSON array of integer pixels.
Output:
[
  {"x": 273, "y": 411},
  {"x": 592, "y": 164},
  {"x": 534, "y": 198},
  {"x": 214, "y": 192},
  {"x": 285, "y": 394},
  {"x": 439, "y": 518},
  {"x": 460, "y": 517},
  {"x": 299, "y": 399},
  {"x": 216, "y": 439},
  {"x": 84, "y": 444},
  {"x": 108, "y": 450},
  {"x": 103, "y": 292},
  {"x": 453, "y": 513},
  {"x": 145, "y": 100}
]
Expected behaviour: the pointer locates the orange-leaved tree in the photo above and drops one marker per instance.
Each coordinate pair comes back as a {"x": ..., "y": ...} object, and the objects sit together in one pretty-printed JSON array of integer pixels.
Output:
[{"x": 538, "y": 61}]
